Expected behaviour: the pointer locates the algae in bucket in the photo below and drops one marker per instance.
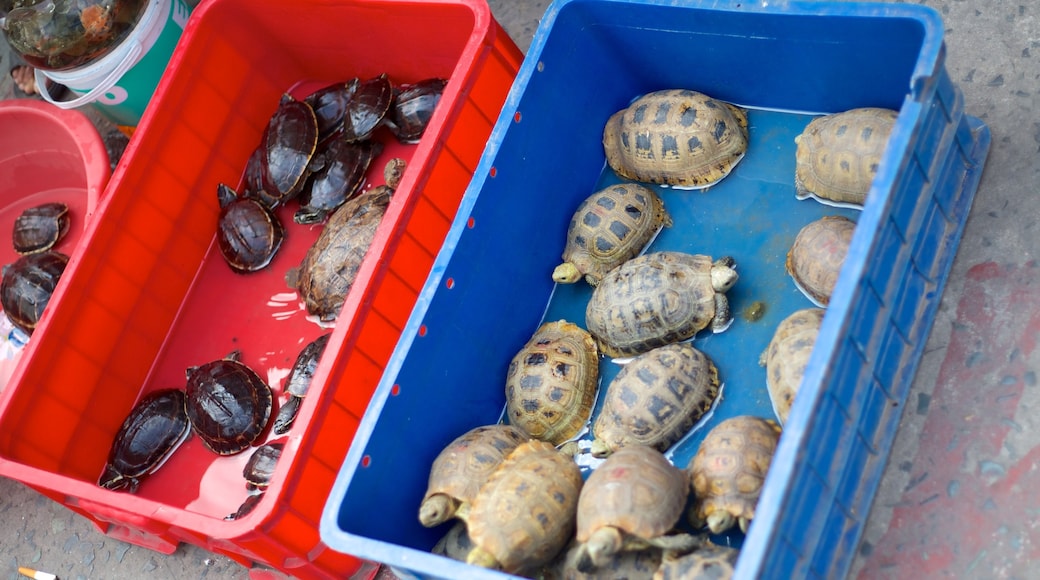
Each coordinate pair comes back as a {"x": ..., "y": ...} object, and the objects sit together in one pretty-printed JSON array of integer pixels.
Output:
[{"x": 121, "y": 83}]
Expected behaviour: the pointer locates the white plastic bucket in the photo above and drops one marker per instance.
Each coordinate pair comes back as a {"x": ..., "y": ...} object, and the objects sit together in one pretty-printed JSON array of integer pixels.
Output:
[{"x": 121, "y": 83}]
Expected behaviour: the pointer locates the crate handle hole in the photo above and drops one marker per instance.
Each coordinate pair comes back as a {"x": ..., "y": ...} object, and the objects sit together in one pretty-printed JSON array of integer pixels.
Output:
[
  {"x": 493, "y": 172},
  {"x": 395, "y": 390},
  {"x": 422, "y": 330},
  {"x": 516, "y": 116},
  {"x": 471, "y": 222},
  {"x": 449, "y": 283},
  {"x": 366, "y": 461}
]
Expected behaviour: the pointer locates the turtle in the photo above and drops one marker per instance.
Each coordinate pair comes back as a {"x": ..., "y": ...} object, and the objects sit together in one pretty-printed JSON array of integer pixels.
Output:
[
  {"x": 632, "y": 501},
  {"x": 290, "y": 141},
  {"x": 413, "y": 107},
  {"x": 40, "y": 228},
  {"x": 551, "y": 382},
  {"x": 249, "y": 234},
  {"x": 837, "y": 155},
  {"x": 248, "y": 505},
  {"x": 329, "y": 104},
  {"x": 462, "y": 467},
  {"x": 817, "y": 254},
  {"x": 524, "y": 515},
  {"x": 259, "y": 468},
  {"x": 787, "y": 355},
  {"x": 709, "y": 562},
  {"x": 659, "y": 298},
  {"x": 455, "y": 544},
  {"x": 27, "y": 286},
  {"x": 227, "y": 403},
  {"x": 610, "y": 226},
  {"x": 625, "y": 564},
  {"x": 728, "y": 471},
  {"x": 677, "y": 137},
  {"x": 655, "y": 399},
  {"x": 393, "y": 172},
  {"x": 298, "y": 382},
  {"x": 368, "y": 103},
  {"x": 328, "y": 270},
  {"x": 155, "y": 427},
  {"x": 337, "y": 174}
]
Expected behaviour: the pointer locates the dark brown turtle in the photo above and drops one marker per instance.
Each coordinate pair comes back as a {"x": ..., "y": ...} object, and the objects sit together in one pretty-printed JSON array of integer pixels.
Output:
[
  {"x": 253, "y": 177},
  {"x": 247, "y": 507},
  {"x": 260, "y": 467},
  {"x": 27, "y": 286},
  {"x": 228, "y": 404},
  {"x": 39, "y": 228},
  {"x": 289, "y": 143},
  {"x": 153, "y": 430},
  {"x": 329, "y": 105},
  {"x": 328, "y": 269},
  {"x": 298, "y": 381},
  {"x": 338, "y": 174},
  {"x": 248, "y": 233},
  {"x": 413, "y": 106},
  {"x": 369, "y": 102}
]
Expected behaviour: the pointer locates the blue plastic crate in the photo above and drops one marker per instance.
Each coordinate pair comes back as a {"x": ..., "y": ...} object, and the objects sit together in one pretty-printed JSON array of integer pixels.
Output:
[{"x": 490, "y": 287}]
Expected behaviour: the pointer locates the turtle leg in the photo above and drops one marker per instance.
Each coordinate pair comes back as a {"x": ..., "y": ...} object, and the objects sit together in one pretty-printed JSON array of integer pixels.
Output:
[
  {"x": 677, "y": 544},
  {"x": 723, "y": 317}
]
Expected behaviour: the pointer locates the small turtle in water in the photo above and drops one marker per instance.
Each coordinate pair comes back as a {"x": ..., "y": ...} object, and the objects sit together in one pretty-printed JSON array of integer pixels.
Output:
[
  {"x": 659, "y": 298},
  {"x": 248, "y": 233},
  {"x": 153, "y": 430},
  {"x": 524, "y": 515},
  {"x": 298, "y": 382},
  {"x": 462, "y": 467},
  {"x": 837, "y": 156},
  {"x": 656, "y": 399},
  {"x": 610, "y": 227},
  {"x": 27, "y": 286},
  {"x": 712, "y": 562},
  {"x": 676, "y": 137},
  {"x": 330, "y": 266},
  {"x": 228, "y": 404},
  {"x": 632, "y": 501},
  {"x": 260, "y": 466},
  {"x": 40, "y": 228},
  {"x": 817, "y": 255},
  {"x": 787, "y": 355},
  {"x": 551, "y": 382},
  {"x": 728, "y": 472}
]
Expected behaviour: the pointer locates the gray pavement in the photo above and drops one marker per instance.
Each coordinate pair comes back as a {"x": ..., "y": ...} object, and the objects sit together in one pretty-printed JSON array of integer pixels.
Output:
[{"x": 991, "y": 308}]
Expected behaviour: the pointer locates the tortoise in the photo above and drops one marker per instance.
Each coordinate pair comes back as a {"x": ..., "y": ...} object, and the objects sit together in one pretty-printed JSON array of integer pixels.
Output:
[
  {"x": 227, "y": 403},
  {"x": 711, "y": 561},
  {"x": 338, "y": 172},
  {"x": 27, "y": 286},
  {"x": 655, "y": 399},
  {"x": 298, "y": 382},
  {"x": 625, "y": 564},
  {"x": 817, "y": 254},
  {"x": 249, "y": 234},
  {"x": 837, "y": 155},
  {"x": 260, "y": 466},
  {"x": 551, "y": 382},
  {"x": 368, "y": 103},
  {"x": 455, "y": 544},
  {"x": 151, "y": 432},
  {"x": 290, "y": 141},
  {"x": 330, "y": 266},
  {"x": 676, "y": 137},
  {"x": 632, "y": 501},
  {"x": 40, "y": 228},
  {"x": 659, "y": 298},
  {"x": 413, "y": 107},
  {"x": 524, "y": 515},
  {"x": 393, "y": 171},
  {"x": 462, "y": 467},
  {"x": 610, "y": 227},
  {"x": 728, "y": 471},
  {"x": 787, "y": 355}
]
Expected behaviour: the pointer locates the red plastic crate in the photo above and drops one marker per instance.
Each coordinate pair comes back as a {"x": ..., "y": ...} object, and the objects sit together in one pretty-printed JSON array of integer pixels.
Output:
[{"x": 148, "y": 295}]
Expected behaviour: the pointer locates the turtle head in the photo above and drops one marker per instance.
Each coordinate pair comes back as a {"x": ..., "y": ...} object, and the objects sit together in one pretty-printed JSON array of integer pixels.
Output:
[
  {"x": 603, "y": 544},
  {"x": 719, "y": 521},
  {"x": 437, "y": 509},
  {"x": 600, "y": 448},
  {"x": 723, "y": 274},
  {"x": 115, "y": 481},
  {"x": 566, "y": 273}
]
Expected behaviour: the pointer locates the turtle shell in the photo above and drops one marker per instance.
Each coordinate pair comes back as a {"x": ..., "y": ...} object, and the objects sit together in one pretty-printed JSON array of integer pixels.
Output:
[
  {"x": 330, "y": 106},
  {"x": 247, "y": 506},
  {"x": 713, "y": 561},
  {"x": 261, "y": 464},
  {"x": 657, "y": 299},
  {"x": 551, "y": 382},
  {"x": 815, "y": 259},
  {"x": 368, "y": 102},
  {"x": 413, "y": 107},
  {"x": 455, "y": 544},
  {"x": 27, "y": 286},
  {"x": 787, "y": 355},
  {"x": 299, "y": 381},
  {"x": 39, "y": 228},
  {"x": 330, "y": 266},
  {"x": 837, "y": 156},
  {"x": 524, "y": 515},
  {"x": 248, "y": 233},
  {"x": 729, "y": 469},
  {"x": 626, "y": 564},
  {"x": 610, "y": 227},
  {"x": 636, "y": 493},
  {"x": 676, "y": 137},
  {"x": 290, "y": 141},
  {"x": 656, "y": 399},
  {"x": 462, "y": 467},
  {"x": 154, "y": 429},
  {"x": 339, "y": 173},
  {"x": 228, "y": 404}
]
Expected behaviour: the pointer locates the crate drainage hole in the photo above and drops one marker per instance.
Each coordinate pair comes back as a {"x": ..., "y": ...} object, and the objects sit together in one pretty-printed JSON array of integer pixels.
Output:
[
  {"x": 449, "y": 283},
  {"x": 471, "y": 222},
  {"x": 422, "y": 330},
  {"x": 395, "y": 390},
  {"x": 366, "y": 461},
  {"x": 540, "y": 66},
  {"x": 516, "y": 116},
  {"x": 493, "y": 172}
]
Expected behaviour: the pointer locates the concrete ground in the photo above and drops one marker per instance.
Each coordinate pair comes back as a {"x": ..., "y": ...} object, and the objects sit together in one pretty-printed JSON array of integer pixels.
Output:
[{"x": 959, "y": 496}]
